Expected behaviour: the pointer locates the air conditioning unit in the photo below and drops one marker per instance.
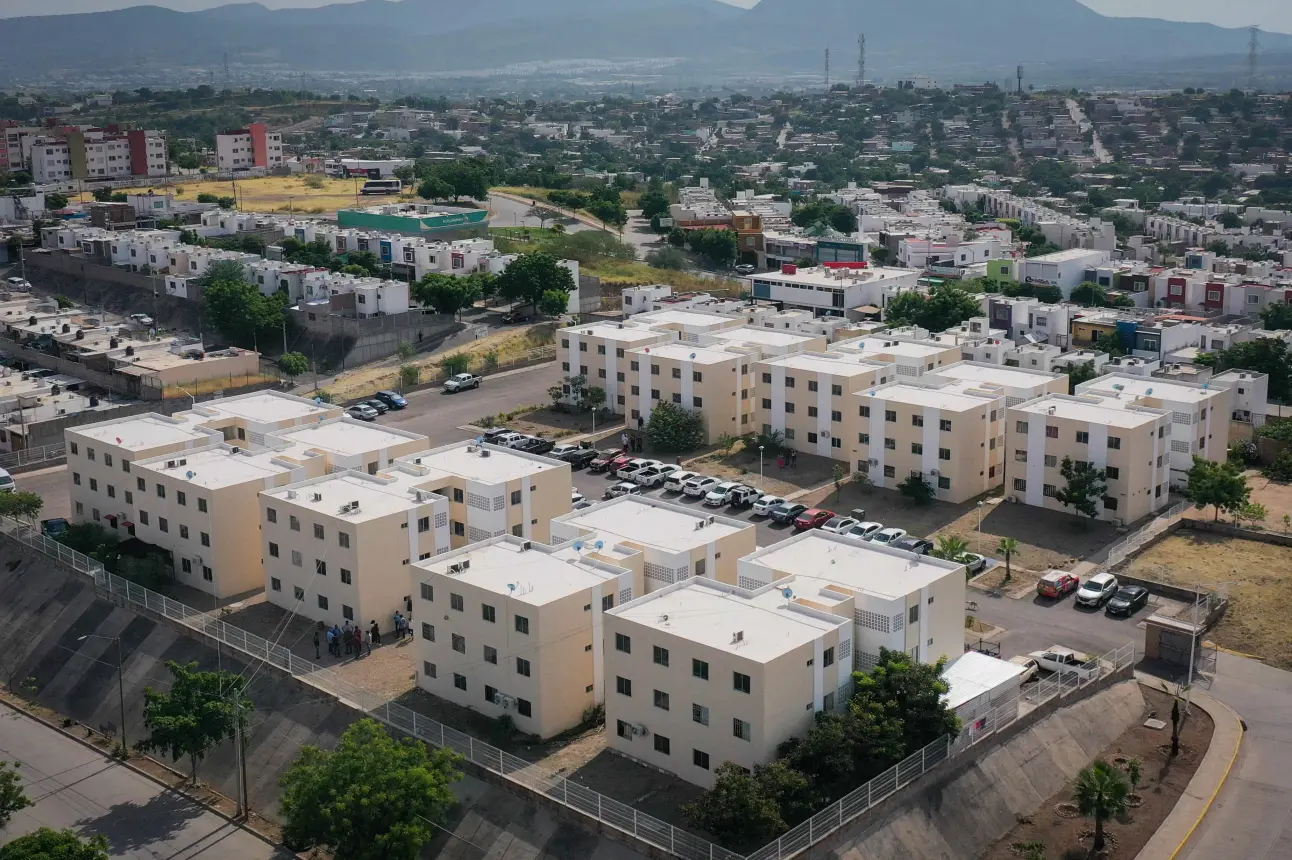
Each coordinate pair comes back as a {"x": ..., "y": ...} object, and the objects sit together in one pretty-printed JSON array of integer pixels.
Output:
[
  {"x": 316, "y": 497},
  {"x": 525, "y": 546},
  {"x": 637, "y": 729},
  {"x": 504, "y": 702},
  {"x": 170, "y": 464}
]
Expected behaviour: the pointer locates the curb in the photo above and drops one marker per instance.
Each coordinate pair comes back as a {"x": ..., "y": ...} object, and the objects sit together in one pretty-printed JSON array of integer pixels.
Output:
[
  {"x": 145, "y": 774},
  {"x": 1196, "y": 801}
]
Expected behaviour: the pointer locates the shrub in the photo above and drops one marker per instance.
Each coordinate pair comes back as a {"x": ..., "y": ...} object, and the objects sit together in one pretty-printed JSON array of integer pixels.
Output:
[
  {"x": 1281, "y": 468},
  {"x": 672, "y": 428}
]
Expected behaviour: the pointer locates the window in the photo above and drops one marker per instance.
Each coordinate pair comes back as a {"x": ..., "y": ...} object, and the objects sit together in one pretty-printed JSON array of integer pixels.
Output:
[
  {"x": 428, "y": 669},
  {"x": 607, "y": 602},
  {"x": 677, "y": 373},
  {"x": 299, "y": 593},
  {"x": 890, "y": 415},
  {"x": 347, "y": 612},
  {"x": 487, "y": 613},
  {"x": 76, "y": 478},
  {"x": 1051, "y": 460},
  {"x": 1083, "y": 438},
  {"x": 634, "y": 366},
  {"x": 1110, "y": 503},
  {"x": 944, "y": 453},
  {"x": 767, "y": 403},
  {"x": 428, "y": 592},
  {"x": 293, "y": 523},
  {"x": 1020, "y": 426},
  {"x": 661, "y": 744},
  {"x": 741, "y": 729},
  {"x": 661, "y": 700},
  {"x": 322, "y": 602},
  {"x": 163, "y": 524},
  {"x": 491, "y": 654},
  {"x": 458, "y": 495},
  {"x": 699, "y": 714},
  {"x": 864, "y": 411},
  {"x": 428, "y": 632},
  {"x": 460, "y": 681},
  {"x": 697, "y": 402},
  {"x": 1020, "y": 456},
  {"x": 890, "y": 444},
  {"x": 890, "y": 471},
  {"x": 812, "y": 412},
  {"x": 767, "y": 379},
  {"x": 320, "y": 567},
  {"x": 836, "y": 390},
  {"x": 141, "y": 484},
  {"x": 1112, "y": 473},
  {"x": 459, "y": 644},
  {"x": 206, "y": 539},
  {"x": 789, "y": 382},
  {"x": 944, "y": 425},
  {"x": 201, "y": 505},
  {"x": 275, "y": 584},
  {"x": 180, "y": 497},
  {"x": 789, "y": 408},
  {"x": 624, "y": 687},
  {"x": 623, "y": 643},
  {"x": 661, "y": 656},
  {"x": 944, "y": 483},
  {"x": 740, "y": 682},
  {"x": 917, "y": 447},
  {"x": 343, "y": 539},
  {"x": 917, "y": 420},
  {"x": 1051, "y": 432},
  {"x": 699, "y": 669},
  {"x": 524, "y": 708},
  {"x": 143, "y": 517},
  {"x": 515, "y": 497},
  {"x": 456, "y": 602},
  {"x": 1049, "y": 490},
  {"x": 812, "y": 386},
  {"x": 863, "y": 438},
  {"x": 700, "y": 759},
  {"x": 296, "y": 558},
  {"x": 654, "y": 370},
  {"x": 827, "y": 657},
  {"x": 94, "y": 485},
  {"x": 459, "y": 529},
  {"x": 1020, "y": 485},
  {"x": 654, "y": 394},
  {"x": 522, "y": 666},
  {"x": 346, "y": 578}
]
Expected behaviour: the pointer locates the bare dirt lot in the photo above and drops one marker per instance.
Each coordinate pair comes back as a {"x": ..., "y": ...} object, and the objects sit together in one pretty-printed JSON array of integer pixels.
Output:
[
  {"x": 1163, "y": 780},
  {"x": 1256, "y": 576},
  {"x": 1276, "y": 497}
]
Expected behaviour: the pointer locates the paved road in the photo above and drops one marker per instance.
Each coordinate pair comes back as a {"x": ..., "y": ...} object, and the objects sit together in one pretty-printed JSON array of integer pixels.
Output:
[
  {"x": 74, "y": 786},
  {"x": 1079, "y": 117},
  {"x": 1033, "y": 622},
  {"x": 504, "y": 212},
  {"x": 51, "y": 484}
]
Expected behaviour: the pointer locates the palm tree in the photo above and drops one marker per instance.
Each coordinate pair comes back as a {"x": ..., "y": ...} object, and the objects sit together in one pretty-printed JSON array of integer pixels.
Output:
[
  {"x": 1177, "y": 696},
  {"x": 1101, "y": 792},
  {"x": 1007, "y": 547},
  {"x": 950, "y": 547}
]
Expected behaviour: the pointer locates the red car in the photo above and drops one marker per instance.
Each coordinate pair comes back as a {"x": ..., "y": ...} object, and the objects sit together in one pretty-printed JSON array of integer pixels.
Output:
[
  {"x": 812, "y": 518},
  {"x": 1057, "y": 583}
]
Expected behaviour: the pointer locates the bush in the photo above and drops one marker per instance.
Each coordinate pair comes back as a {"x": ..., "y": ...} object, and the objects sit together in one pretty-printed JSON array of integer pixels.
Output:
[
  {"x": 1242, "y": 453},
  {"x": 672, "y": 429},
  {"x": 667, "y": 258},
  {"x": 1281, "y": 468}
]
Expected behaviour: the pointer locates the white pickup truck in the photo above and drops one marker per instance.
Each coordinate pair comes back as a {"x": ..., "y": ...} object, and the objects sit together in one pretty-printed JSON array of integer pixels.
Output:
[{"x": 461, "y": 382}]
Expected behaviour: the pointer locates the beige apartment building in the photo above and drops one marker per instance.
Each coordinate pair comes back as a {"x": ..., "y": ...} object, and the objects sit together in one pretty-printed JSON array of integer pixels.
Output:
[
  {"x": 1129, "y": 441},
  {"x": 339, "y": 547},
  {"x": 804, "y": 397},
  {"x": 713, "y": 382},
  {"x": 1017, "y": 384},
  {"x": 511, "y": 626},
  {"x": 598, "y": 352},
  {"x": 676, "y": 542},
  {"x": 700, "y": 673},
  {"x": 948, "y": 432},
  {"x": 911, "y": 357}
]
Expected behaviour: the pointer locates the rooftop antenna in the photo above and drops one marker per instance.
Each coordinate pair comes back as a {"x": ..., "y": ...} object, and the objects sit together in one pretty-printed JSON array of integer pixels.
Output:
[
  {"x": 861, "y": 60},
  {"x": 827, "y": 69},
  {"x": 1253, "y": 46},
  {"x": 1019, "y": 72}
]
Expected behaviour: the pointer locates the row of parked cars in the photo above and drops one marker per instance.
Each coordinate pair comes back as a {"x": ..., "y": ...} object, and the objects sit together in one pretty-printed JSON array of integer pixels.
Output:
[
  {"x": 381, "y": 403},
  {"x": 1102, "y": 589}
]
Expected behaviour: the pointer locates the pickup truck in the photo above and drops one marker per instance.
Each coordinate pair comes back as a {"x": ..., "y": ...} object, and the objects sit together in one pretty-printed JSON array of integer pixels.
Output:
[{"x": 461, "y": 382}]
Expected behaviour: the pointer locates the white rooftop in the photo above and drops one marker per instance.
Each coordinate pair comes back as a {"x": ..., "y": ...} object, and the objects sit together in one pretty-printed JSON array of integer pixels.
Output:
[
  {"x": 710, "y": 614},
  {"x": 835, "y": 363},
  {"x": 143, "y": 432},
  {"x": 876, "y": 344},
  {"x": 656, "y": 524},
  {"x": 499, "y": 466},
  {"x": 947, "y": 397},
  {"x": 690, "y": 352},
  {"x": 217, "y": 466},
  {"x": 535, "y": 576},
  {"x": 263, "y": 407},
  {"x": 974, "y": 674},
  {"x": 887, "y": 573},
  {"x": 1138, "y": 386},
  {"x": 1008, "y": 377},
  {"x": 1115, "y": 412},
  {"x": 684, "y": 318},
  {"x": 762, "y": 336},
  {"x": 617, "y": 332},
  {"x": 377, "y": 495},
  {"x": 347, "y": 436}
]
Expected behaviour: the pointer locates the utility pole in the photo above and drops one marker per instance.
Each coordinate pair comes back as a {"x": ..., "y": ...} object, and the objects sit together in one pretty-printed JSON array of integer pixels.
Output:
[
  {"x": 861, "y": 60},
  {"x": 827, "y": 69},
  {"x": 1019, "y": 72},
  {"x": 243, "y": 802},
  {"x": 1253, "y": 46}
]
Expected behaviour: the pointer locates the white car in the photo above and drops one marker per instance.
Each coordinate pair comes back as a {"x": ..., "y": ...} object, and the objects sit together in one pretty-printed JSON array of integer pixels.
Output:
[
  {"x": 699, "y": 486},
  {"x": 575, "y": 496},
  {"x": 461, "y": 382},
  {"x": 1097, "y": 589},
  {"x": 765, "y": 504},
  {"x": 635, "y": 466},
  {"x": 717, "y": 496},
  {"x": 6, "y": 482},
  {"x": 863, "y": 531},
  {"x": 654, "y": 476},
  {"x": 888, "y": 536},
  {"x": 1065, "y": 661},
  {"x": 18, "y": 285},
  {"x": 1030, "y": 669},
  {"x": 673, "y": 483},
  {"x": 623, "y": 488},
  {"x": 838, "y": 525},
  {"x": 510, "y": 440}
]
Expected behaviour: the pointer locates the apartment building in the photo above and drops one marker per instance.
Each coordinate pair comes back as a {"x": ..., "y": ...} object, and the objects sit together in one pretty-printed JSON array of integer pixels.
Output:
[
  {"x": 1130, "y": 442},
  {"x": 1251, "y": 393},
  {"x": 897, "y": 600},
  {"x": 676, "y": 542},
  {"x": 910, "y": 357},
  {"x": 833, "y": 290},
  {"x": 245, "y": 148},
  {"x": 1199, "y": 414},
  {"x": 599, "y": 353},
  {"x": 948, "y": 432},
  {"x": 715, "y": 382},
  {"x": 700, "y": 673},
  {"x": 804, "y": 397},
  {"x": 1016, "y": 383},
  {"x": 513, "y": 627},
  {"x": 97, "y": 154},
  {"x": 1063, "y": 269}
]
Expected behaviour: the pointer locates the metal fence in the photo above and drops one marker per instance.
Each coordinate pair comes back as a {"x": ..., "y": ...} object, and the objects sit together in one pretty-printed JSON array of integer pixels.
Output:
[
  {"x": 33, "y": 456},
  {"x": 553, "y": 785},
  {"x": 1122, "y": 550}
]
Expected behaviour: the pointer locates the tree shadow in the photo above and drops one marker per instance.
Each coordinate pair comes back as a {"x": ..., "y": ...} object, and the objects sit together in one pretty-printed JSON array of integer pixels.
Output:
[{"x": 132, "y": 826}]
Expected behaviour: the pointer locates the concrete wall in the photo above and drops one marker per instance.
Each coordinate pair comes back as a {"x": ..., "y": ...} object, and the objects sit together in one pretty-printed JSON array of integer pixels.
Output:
[
  {"x": 961, "y": 811},
  {"x": 44, "y": 611}
]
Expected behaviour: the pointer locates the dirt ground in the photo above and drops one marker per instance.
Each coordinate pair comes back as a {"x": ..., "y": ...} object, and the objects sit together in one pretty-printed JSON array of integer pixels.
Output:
[
  {"x": 277, "y": 193},
  {"x": 808, "y": 471},
  {"x": 1276, "y": 497},
  {"x": 544, "y": 421},
  {"x": 1256, "y": 576},
  {"x": 1045, "y": 538},
  {"x": 1064, "y": 833}
]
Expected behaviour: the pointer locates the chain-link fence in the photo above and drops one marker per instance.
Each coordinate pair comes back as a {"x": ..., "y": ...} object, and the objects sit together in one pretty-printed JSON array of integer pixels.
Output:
[{"x": 553, "y": 785}]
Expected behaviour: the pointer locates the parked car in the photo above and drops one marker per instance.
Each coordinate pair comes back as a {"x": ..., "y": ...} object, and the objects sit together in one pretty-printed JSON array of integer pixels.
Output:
[
  {"x": 863, "y": 531},
  {"x": 362, "y": 412},
  {"x": 623, "y": 488},
  {"x": 1065, "y": 661},
  {"x": 6, "y": 482},
  {"x": 491, "y": 435},
  {"x": 675, "y": 481},
  {"x": 510, "y": 440},
  {"x": 699, "y": 486},
  {"x": 392, "y": 399},
  {"x": 141, "y": 320},
  {"x": 746, "y": 268},
  {"x": 717, "y": 495},
  {"x": 655, "y": 476},
  {"x": 812, "y": 518},
  {"x": 537, "y": 445},
  {"x": 786, "y": 512},
  {"x": 743, "y": 497},
  {"x": 601, "y": 462},
  {"x": 632, "y": 467},
  {"x": 514, "y": 316},
  {"x": 377, "y": 406},
  {"x": 919, "y": 546},
  {"x": 1056, "y": 583},
  {"x": 461, "y": 382},
  {"x": 55, "y": 528},
  {"x": 1127, "y": 600},
  {"x": 1030, "y": 669},
  {"x": 973, "y": 562},
  {"x": 887, "y": 536},
  {"x": 578, "y": 506},
  {"x": 764, "y": 504},
  {"x": 575, "y": 496},
  {"x": 578, "y": 457},
  {"x": 1096, "y": 590},
  {"x": 838, "y": 525},
  {"x": 18, "y": 285}
]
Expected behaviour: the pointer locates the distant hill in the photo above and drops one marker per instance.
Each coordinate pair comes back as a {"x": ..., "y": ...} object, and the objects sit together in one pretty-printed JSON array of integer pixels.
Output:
[{"x": 950, "y": 38}]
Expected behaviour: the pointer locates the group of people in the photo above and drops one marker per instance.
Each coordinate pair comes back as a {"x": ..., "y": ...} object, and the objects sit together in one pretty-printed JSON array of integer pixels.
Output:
[
  {"x": 352, "y": 640},
  {"x": 632, "y": 444},
  {"x": 791, "y": 460},
  {"x": 403, "y": 626}
]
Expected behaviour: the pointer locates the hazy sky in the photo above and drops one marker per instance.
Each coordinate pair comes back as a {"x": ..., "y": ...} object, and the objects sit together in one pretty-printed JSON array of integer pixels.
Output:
[{"x": 1269, "y": 14}]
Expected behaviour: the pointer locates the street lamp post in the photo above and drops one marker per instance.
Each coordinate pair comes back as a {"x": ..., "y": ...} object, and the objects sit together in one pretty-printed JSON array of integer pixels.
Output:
[
  {"x": 121, "y": 684},
  {"x": 761, "y": 484},
  {"x": 980, "y": 506}
]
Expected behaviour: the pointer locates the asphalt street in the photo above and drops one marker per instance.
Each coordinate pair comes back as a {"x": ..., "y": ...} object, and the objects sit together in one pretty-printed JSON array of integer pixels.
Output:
[{"x": 74, "y": 786}]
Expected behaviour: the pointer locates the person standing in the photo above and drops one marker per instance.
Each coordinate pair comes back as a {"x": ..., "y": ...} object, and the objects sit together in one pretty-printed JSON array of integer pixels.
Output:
[
  {"x": 623, "y": 440},
  {"x": 368, "y": 641},
  {"x": 318, "y": 655},
  {"x": 331, "y": 643},
  {"x": 376, "y": 633},
  {"x": 794, "y": 459}
]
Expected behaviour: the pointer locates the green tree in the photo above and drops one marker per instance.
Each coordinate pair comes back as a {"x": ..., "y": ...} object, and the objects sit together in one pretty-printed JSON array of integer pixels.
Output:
[
  {"x": 64, "y": 302},
  {"x": 910, "y": 694},
  {"x": 609, "y": 212},
  {"x": 594, "y": 397},
  {"x": 434, "y": 188},
  {"x": 918, "y": 490},
  {"x": 1266, "y": 355},
  {"x": 409, "y": 375},
  {"x": 49, "y": 844},
  {"x": 653, "y": 203},
  {"x": 1221, "y": 485},
  {"x": 1079, "y": 373},
  {"x": 1101, "y": 792},
  {"x": 372, "y": 798},
  {"x": 673, "y": 429},
  {"x": 666, "y": 258},
  {"x": 445, "y": 294},
  {"x": 738, "y": 810},
  {"x": 543, "y": 214},
  {"x": 12, "y": 798},
  {"x": 553, "y": 303},
  {"x": 837, "y": 216},
  {"x": 454, "y": 364},
  {"x": 1085, "y": 486},
  {"x": 1110, "y": 344},
  {"x": 54, "y": 200},
  {"x": 838, "y": 475},
  {"x": 200, "y": 710},
  {"x": 950, "y": 547},
  {"x": 1277, "y": 317},
  {"x": 943, "y": 308},
  {"x": 227, "y": 202},
  {"x": 240, "y": 312},
  {"x": 21, "y": 505},
  {"x": 1090, "y": 294},
  {"x": 293, "y": 364},
  {"x": 1048, "y": 294},
  {"x": 365, "y": 260},
  {"x": 204, "y": 197},
  {"x": 530, "y": 275},
  {"x": 187, "y": 161},
  {"x": 1007, "y": 547},
  {"x": 405, "y": 350},
  {"x": 903, "y": 308},
  {"x": 104, "y": 195}
]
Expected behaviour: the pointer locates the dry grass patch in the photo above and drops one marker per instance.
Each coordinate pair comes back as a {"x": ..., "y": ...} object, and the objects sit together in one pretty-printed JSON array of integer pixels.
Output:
[{"x": 297, "y": 193}]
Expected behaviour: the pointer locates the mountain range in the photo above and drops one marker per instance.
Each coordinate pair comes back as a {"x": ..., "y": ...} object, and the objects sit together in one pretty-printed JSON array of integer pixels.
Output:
[{"x": 948, "y": 38}]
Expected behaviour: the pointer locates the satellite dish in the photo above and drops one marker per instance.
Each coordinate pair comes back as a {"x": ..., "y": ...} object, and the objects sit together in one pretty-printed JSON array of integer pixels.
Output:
[
  {"x": 511, "y": 586},
  {"x": 189, "y": 474},
  {"x": 1148, "y": 391},
  {"x": 787, "y": 593},
  {"x": 599, "y": 544},
  {"x": 479, "y": 440},
  {"x": 578, "y": 546},
  {"x": 692, "y": 355}
]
